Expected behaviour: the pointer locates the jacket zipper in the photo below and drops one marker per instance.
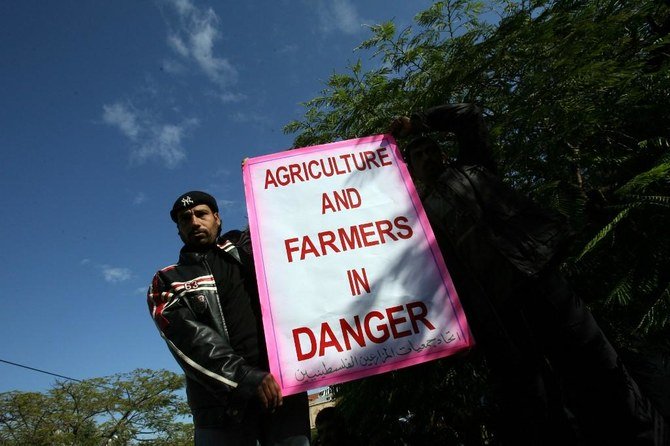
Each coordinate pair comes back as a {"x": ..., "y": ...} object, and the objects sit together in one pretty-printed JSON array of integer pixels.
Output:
[{"x": 203, "y": 259}]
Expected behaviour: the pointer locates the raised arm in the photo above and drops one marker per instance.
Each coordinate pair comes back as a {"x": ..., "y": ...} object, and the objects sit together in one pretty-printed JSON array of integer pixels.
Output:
[{"x": 464, "y": 120}]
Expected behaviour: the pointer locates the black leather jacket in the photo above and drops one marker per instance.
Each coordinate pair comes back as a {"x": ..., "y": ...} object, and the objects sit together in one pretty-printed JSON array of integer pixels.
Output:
[{"x": 184, "y": 304}]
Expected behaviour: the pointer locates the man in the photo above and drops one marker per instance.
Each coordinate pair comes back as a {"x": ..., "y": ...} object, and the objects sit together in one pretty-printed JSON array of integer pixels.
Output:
[
  {"x": 206, "y": 308},
  {"x": 537, "y": 335}
]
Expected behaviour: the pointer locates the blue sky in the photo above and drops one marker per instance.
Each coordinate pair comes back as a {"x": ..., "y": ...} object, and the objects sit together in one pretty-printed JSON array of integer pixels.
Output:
[{"x": 109, "y": 111}]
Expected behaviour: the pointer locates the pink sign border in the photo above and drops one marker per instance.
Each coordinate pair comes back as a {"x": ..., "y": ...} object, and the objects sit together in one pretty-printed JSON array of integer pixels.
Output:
[{"x": 266, "y": 307}]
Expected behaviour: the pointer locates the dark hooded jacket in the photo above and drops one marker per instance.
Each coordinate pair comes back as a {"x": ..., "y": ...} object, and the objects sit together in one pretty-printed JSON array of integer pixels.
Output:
[{"x": 490, "y": 226}]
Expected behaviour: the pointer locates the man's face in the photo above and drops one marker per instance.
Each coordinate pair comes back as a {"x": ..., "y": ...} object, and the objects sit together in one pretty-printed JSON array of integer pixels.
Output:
[
  {"x": 426, "y": 162},
  {"x": 198, "y": 226}
]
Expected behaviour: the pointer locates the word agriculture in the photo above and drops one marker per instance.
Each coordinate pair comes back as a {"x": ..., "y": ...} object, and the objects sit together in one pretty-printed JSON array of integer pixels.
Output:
[{"x": 327, "y": 167}]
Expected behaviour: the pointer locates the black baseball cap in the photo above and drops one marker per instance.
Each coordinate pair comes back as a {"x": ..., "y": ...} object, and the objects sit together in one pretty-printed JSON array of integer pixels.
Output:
[{"x": 193, "y": 198}]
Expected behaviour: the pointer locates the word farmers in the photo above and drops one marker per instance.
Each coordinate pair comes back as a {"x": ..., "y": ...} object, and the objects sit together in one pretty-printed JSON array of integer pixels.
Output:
[
  {"x": 376, "y": 326},
  {"x": 327, "y": 167},
  {"x": 344, "y": 239}
]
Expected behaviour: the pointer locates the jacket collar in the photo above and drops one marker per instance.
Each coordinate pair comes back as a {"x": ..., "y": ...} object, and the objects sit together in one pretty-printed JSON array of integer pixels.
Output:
[{"x": 188, "y": 255}]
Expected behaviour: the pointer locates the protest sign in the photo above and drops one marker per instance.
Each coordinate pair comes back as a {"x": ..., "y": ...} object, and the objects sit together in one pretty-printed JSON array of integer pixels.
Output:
[{"x": 350, "y": 278}]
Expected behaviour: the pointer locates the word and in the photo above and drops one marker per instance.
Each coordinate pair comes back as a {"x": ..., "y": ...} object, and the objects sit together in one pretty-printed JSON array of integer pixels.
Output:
[
  {"x": 344, "y": 239},
  {"x": 348, "y": 199},
  {"x": 377, "y": 327},
  {"x": 328, "y": 167}
]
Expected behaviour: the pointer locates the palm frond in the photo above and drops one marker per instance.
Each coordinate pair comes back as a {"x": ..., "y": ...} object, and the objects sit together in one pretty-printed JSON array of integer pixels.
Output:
[
  {"x": 642, "y": 181},
  {"x": 605, "y": 231},
  {"x": 621, "y": 294},
  {"x": 657, "y": 318},
  {"x": 660, "y": 200}
]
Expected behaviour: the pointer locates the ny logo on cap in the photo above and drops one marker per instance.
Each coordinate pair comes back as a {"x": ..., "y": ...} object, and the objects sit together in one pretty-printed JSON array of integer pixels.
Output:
[{"x": 186, "y": 201}]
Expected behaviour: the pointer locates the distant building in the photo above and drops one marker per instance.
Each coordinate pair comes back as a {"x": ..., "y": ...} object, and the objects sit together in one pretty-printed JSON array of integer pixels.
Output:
[{"x": 319, "y": 401}]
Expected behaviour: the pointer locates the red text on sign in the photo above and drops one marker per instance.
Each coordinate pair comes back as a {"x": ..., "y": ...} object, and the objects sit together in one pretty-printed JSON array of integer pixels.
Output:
[
  {"x": 376, "y": 327},
  {"x": 344, "y": 239},
  {"x": 348, "y": 199},
  {"x": 357, "y": 281},
  {"x": 327, "y": 167}
]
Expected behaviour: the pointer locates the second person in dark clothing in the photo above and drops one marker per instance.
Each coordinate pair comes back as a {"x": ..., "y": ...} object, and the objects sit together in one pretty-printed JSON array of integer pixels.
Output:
[{"x": 536, "y": 334}]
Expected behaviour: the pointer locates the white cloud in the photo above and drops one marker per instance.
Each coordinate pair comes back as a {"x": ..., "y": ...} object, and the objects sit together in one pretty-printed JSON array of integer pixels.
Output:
[
  {"x": 164, "y": 141},
  {"x": 178, "y": 45},
  {"x": 290, "y": 48},
  {"x": 115, "y": 274},
  {"x": 140, "y": 198},
  {"x": 111, "y": 274},
  {"x": 225, "y": 203},
  {"x": 222, "y": 173},
  {"x": 150, "y": 138},
  {"x": 121, "y": 116},
  {"x": 338, "y": 15},
  {"x": 194, "y": 40},
  {"x": 173, "y": 67},
  {"x": 252, "y": 118},
  {"x": 183, "y": 6},
  {"x": 232, "y": 97}
]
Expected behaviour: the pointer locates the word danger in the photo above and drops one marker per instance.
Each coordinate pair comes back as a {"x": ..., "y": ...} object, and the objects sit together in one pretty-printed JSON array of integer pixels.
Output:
[
  {"x": 328, "y": 167},
  {"x": 377, "y": 327},
  {"x": 343, "y": 239}
]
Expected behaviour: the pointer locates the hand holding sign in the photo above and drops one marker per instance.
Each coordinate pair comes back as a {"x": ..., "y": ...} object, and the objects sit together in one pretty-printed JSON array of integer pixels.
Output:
[
  {"x": 269, "y": 392},
  {"x": 400, "y": 126}
]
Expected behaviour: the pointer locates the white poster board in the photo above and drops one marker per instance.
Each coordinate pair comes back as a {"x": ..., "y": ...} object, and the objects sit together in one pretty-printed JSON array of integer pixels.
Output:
[{"x": 350, "y": 278}]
